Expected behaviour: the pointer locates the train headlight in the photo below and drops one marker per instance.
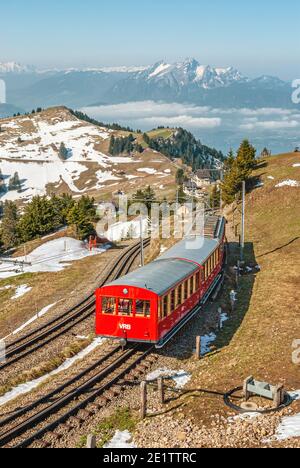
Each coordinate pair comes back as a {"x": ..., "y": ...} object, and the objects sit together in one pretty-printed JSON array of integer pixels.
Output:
[{"x": 125, "y": 291}]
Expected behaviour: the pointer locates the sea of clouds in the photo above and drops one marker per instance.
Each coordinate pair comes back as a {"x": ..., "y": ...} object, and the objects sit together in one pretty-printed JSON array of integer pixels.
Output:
[{"x": 223, "y": 128}]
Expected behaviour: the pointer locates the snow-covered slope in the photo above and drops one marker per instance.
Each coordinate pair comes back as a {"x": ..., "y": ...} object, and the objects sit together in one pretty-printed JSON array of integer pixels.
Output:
[{"x": 30, "y": 145}]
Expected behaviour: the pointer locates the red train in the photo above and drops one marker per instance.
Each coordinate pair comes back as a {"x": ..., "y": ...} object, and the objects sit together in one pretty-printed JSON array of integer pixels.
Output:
[{"x": 152, "y": 303}]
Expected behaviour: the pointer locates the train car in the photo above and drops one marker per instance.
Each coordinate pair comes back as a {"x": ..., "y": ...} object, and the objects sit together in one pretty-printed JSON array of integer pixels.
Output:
[{"x": 151, "y": 304}]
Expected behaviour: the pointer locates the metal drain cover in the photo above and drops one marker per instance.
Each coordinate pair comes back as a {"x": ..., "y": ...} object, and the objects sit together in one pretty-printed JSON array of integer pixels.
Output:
[{"x": 248, "y": 406}]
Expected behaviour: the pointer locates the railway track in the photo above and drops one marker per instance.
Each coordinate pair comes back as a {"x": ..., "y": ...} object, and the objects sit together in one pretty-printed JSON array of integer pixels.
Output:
[
  {"x": 53, "y": 329},
  {"x": 70, "y": 404}
]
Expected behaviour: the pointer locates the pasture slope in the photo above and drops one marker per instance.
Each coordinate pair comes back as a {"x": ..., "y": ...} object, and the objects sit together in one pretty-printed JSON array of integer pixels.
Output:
[{"x": 258, "y": 338}]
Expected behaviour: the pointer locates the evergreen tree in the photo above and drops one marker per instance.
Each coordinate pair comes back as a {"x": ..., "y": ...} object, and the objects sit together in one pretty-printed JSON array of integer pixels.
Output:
[
  {"x": 38, "y": 219},
  {"x": 111, "y": 145},
  {"x": 229, "y": 161},
  {"x": 239, "y": 170},
  {"x": 63, "y": 152},
  {"x": 215, "y": 199},
  {"x": 2, "y": 183},
  {"x": 81, "y": 216},
  {"x": 180, "y": 176},
  {"x": 14, "y": 182},
  {"x": 246, "y": 158},
  {"x": 9, "y": 225}
]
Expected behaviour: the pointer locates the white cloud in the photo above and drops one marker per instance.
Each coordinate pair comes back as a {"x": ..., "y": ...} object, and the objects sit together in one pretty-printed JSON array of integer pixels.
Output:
[
  {"x": 271, "y": 125},
  {"x": 265, "y": 111},
  {"x": 142, "y": 109},
  {"x": 183, "y": 121}
]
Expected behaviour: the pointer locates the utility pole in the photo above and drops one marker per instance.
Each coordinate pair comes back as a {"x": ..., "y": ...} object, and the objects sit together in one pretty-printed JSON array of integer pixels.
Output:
[
  {"x": 243, "y": 220},
  {"x": 221, "y": 190},
  {"x": 142, "y": 242}
]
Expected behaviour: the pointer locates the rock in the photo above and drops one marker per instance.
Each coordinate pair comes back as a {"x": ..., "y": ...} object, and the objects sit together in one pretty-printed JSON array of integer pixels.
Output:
[{"x": 181, "y": 436}]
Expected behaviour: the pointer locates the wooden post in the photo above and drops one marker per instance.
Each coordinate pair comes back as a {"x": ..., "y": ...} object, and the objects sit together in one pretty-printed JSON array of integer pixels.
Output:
[
  {"x": 91, "y": 442},
  {"x": 143, "y": 399},
  {"x": 198, "y": 347},
  {"x": 238, "y": 274},
  {"x": 278, "y": 396},
  {"x": 161, "y": 390},
  {"x": 220, "y": 318},
  {"x": 247, "y": 394}
]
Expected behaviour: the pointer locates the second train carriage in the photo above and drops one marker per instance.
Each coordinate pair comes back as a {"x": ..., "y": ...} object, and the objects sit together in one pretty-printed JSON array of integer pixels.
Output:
[{"x": 152, "y": 303}]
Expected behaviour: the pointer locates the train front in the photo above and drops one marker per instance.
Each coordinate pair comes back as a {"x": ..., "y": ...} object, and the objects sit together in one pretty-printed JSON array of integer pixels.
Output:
[{"x": 126, "y": 313}]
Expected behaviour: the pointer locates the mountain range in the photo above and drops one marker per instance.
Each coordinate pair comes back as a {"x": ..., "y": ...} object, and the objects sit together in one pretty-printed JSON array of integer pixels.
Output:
[{"x": 181, "y": 82}]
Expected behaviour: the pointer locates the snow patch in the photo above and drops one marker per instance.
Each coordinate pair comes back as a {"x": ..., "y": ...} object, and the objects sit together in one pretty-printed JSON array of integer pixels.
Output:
[
  {"x": 288, "y": 428},
  {"x": 21, "y": 291},
  {"x": 288, "y": 183},
  {"x": 181, "y": 377},
  {"x": 147, "y": 170},
  {"x": 119, "y": 231},
  {"x": 121, "y": 439},
  {"x": 49, "y": 256},
  {"x": 296, "y": 165},
  {"x": 206, "y": 341}
]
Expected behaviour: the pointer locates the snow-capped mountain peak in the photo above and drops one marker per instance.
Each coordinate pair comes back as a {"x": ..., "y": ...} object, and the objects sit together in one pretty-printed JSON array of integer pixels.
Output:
[
  {"x": 14, "y": 67},
  {"x": 189, "y": 72}
]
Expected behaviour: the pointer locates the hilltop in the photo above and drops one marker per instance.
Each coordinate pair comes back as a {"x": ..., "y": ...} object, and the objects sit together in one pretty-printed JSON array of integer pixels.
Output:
[{"x": 31, "y": 146}]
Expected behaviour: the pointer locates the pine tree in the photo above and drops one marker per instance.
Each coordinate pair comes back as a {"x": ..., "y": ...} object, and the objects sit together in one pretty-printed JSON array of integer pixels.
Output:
[
  {"x": 9, "y": 226},
  {"x": 14, "y": 182},
  {"x": 215, "y": 199},
  {"x": 246, "y": 159},
  {"x": 229, "y": 161},
  {"x": 180, "y": 176},
  {"x": 2, "y": 183},
  {"x": 81, "y": 216},
  {"x": 38, "y": 219},
  {"x": 63, "y": 152},
  {"x": 112, "y": 145}
]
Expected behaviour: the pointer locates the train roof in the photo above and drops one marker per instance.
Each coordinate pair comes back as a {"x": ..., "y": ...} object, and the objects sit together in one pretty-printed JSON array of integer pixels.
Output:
[
  {"x": 195, "y": 249},
  {"x": 158, "y": 276},
  {"x": 180, "y": 261}
]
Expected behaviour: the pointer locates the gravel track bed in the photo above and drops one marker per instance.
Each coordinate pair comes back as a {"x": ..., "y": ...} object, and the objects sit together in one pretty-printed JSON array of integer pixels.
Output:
[{"x": 52, "y": 350}]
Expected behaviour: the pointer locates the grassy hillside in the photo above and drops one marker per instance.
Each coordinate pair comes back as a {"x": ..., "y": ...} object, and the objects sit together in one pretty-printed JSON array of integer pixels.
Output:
[{"x": 257, "y": 340}]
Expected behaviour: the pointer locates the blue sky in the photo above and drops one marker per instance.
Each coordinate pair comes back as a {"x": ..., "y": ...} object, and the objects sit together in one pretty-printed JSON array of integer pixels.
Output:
[{"x": 255, "y": 36}]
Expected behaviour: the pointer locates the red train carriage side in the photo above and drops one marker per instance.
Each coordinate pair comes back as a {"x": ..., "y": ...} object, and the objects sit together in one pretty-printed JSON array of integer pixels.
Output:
[{"x": 152, "y": 303}]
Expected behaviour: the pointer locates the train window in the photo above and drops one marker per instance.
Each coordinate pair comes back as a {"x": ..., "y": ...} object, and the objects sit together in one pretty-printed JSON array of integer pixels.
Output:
[
  {"x": 178, "y": 296},
  {"x": 143, "y": 308},
  {"x": 198, "y": 281},
  {"x": 125, "y": 307},
  {"x": 191, "y": 282},
  {"x": 195, "y": 283},
  {"x": 108, "y": 305},
  {"x": 165, "y": 307},
  {"x": 173, "y": 301},
  {"x": 181, "y": 289},
  {"x": 206, "y": 271},
  {"x": 186, "y": 290}
]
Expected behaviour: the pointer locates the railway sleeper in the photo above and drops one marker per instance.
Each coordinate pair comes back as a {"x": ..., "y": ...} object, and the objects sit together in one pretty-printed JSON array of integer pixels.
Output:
[
  {"x": 62, "y": 428},
  {"x": 76, "y": 421},
  {"x": 52, "y": 436},
  {"x": 102, "y": 401},
  {"x": 84, "y": 414},
  {"x": 143, "y": 367}
]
